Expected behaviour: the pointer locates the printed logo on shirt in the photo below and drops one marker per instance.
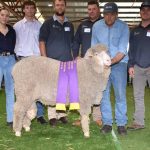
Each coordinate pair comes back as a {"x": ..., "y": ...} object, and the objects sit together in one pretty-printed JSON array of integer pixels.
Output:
[
  {"x": 148, "y": 33},
  {"x": 67, "y": 28},
  {"x": 84, "y": 26},
  {"x": 136, "y": 33},
  {"x": 54, "y": 26},
  {"x": 87, "y": 30}
]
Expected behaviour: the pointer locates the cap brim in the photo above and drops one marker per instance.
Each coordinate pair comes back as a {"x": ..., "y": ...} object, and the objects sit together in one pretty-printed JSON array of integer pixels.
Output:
[{"x": 109, "y": 11}]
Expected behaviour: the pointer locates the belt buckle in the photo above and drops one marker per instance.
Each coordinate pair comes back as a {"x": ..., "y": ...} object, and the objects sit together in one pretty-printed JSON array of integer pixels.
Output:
[{"x": 5, "y": 53}]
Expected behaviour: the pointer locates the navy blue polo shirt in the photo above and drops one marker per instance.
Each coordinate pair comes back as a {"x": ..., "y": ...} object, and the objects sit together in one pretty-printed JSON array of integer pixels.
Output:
[
  {"x": 58, "y": 39},
  {"x": 83, "y": 37},
  {"x": 7, "y": 42},
  {"x": 139, "y": 50}
]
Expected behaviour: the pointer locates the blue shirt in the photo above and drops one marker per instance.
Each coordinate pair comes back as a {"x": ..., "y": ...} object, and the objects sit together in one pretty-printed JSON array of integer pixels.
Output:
[
  {"x": 116, "y": 37},
  {"x": 7, "y": 42}
]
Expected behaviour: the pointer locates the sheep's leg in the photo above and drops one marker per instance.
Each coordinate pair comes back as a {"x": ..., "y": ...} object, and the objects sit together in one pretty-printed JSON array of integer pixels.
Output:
[
  {"x": 30, "y": 115},
  {"x": 85, "y": 125},
  {"x": 85, "y": 110},
  {"x": 20, "y": 108},
  {"x": 19, "y": 113},
  {"x": 26, "y": 123}
]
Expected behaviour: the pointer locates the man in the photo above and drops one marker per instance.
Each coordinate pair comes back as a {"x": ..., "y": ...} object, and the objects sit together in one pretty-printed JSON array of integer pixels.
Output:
[
  {"x": 139, "y": 64},
  {"x": 83, "y": 39},
  {"x": 27, "y": 44},
  {"x": 56, "y": 37},
  {"x": 84, "y": 31},
  {"x": 113, "y": 33}
]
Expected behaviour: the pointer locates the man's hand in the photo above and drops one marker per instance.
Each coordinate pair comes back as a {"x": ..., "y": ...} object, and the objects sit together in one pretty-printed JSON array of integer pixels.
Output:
[
  {"x": 42, "y": 48},
  {"x": 131, "y": 72},
  {"x": 79, "y": 57},
  {"x": 119, "y": 56}
]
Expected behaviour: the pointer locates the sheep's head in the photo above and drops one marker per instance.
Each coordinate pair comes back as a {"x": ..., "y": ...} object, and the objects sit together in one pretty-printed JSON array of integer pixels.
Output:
[
  {"x": 99, "y": 57},
  {"x": 104, "y": 58}
]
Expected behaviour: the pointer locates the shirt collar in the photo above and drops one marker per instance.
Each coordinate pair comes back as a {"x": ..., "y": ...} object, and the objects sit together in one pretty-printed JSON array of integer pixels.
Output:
[
  {"x": 95, "y": 20},
  {"x": 140, "y": 25},
  {"x": 25, "y": 20},
  {"x": 114, "y": 25},
  {"x": 56, "y": 19}
]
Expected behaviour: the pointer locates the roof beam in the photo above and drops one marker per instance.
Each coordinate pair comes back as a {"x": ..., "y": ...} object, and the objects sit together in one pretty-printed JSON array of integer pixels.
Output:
[{"x": 11, "y": 10}]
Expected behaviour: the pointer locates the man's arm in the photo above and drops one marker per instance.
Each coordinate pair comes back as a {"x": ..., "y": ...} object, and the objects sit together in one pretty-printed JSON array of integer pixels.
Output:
[
  {"x": 77, "y": 42},
  {"x": 43, "y": 36},
  {"x": 94, "y": 37},
  {"x": 42, "y": 48},
  {"x": 132, "y": 50},
  {"x": 131, "y": 55},
  {"x": 123, "y": 45},
  {"x": 119, "y": 56},
  {"x": 131, "y": 72},
  {"x": 124, "y": 39}
]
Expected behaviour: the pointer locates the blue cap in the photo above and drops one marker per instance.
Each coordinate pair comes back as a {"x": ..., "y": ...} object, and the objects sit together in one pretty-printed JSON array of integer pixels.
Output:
[{"x": 110, "y": 7}]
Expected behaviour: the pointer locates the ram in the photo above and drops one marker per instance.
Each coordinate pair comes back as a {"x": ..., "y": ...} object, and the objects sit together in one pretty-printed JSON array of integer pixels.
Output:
[{"x": 35, "y": 78}]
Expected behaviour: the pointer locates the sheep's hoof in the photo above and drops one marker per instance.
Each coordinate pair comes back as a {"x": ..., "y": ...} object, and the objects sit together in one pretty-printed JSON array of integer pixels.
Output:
[
  {"x": 86, "y": 135},
  {"x": 18, "y": 134},
  {"x": 27, "y": 129}
]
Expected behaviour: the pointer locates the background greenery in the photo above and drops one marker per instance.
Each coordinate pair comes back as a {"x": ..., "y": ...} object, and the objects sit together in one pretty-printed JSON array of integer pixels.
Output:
[{"x": 68, "y": 137}]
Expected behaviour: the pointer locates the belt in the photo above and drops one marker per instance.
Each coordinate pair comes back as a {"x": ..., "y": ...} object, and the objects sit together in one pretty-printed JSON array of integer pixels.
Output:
[
  {"x": 20, "y": 57},
  {"x": 5, "y": 53}
]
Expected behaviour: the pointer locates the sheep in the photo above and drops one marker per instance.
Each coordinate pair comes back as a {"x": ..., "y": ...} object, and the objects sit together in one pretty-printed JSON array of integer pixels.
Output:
[{"x": 35, "y": 78}]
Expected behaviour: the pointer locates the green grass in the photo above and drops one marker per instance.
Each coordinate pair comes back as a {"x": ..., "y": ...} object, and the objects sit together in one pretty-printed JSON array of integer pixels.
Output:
[{"x": 67, "y": 137}]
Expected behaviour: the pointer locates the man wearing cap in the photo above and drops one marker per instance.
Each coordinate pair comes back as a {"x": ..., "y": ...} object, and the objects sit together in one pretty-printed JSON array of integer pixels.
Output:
[
  {"x": 139, "y": 64},
  {"x": 113, "y": 33}
]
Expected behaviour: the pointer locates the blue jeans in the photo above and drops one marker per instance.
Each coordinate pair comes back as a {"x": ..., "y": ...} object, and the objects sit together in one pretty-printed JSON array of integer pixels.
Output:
[
  {"x": 40, "y": 109},
  {"x": 6, "y": 65},
  {"x": 118, "y": 78}
]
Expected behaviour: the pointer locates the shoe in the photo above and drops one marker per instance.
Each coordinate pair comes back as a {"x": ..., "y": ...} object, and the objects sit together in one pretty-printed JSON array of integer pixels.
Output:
[
  {"x": 122, "y": 130},
  {"x": 106, "y": 129},
  {"x": 53, "y": 122},
  {"x": 98, "y": 123},
  {"x": 41, "y": 120},
  {"x": 77, "y": 123},
  {"x": 10, "y": 124},
  {"x": 135, "y": 126},
  {"x": 63, "y": 120}
]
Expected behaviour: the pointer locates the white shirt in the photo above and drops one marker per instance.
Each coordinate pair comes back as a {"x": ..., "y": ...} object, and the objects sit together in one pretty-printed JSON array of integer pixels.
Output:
[{"x": 27, "y": 37}]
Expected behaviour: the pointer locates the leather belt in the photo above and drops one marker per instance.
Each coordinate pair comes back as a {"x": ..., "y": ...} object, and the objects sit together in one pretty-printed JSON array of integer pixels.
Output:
[
  {"x": 20, "y": 57},
  {"x": 5, "y": 53}
]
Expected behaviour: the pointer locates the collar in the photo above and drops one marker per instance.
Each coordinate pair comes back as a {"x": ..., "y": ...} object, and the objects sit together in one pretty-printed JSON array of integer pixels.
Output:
[
  {"x": 95, "y": 20},
  {"x": 142, "y": 26},
  {"x": 56, "y": 19},
  {"x": 115, "y": 25},
  {"x": 25, "y": 20}
]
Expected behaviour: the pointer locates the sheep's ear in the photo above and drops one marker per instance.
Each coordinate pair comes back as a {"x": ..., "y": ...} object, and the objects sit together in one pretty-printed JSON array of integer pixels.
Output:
[
  {"x": 100, "y": 47},
  {"x": 89, "y": 53}
]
